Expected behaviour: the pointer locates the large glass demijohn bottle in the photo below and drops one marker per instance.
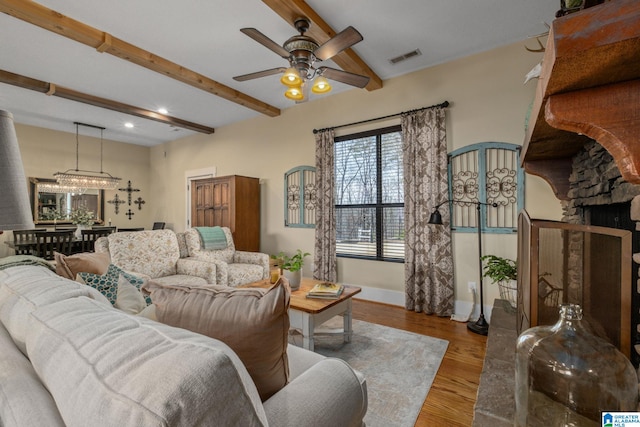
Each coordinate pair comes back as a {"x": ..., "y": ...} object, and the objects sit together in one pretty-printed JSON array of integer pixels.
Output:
[{"x": 565, "y": 375}]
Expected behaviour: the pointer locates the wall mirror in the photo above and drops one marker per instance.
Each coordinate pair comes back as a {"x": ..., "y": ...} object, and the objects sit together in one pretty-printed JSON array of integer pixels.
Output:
[{"x": 52, "y": 204}]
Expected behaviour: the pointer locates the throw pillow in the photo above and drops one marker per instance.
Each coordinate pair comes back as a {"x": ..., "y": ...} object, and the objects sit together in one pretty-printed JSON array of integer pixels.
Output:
[
  {"x": 253, "y": 322},
  {"x": 149, "y": 312},
  {"x": 87, "y": 262},
  {"x": 107, "y": 283},
  {"x": 129, "y": 298}
]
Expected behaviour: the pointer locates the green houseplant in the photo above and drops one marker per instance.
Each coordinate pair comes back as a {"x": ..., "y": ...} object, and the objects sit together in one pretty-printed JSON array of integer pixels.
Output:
[
  {"x": 291, "y": 266},
  {"x": 504, "y": 272}
]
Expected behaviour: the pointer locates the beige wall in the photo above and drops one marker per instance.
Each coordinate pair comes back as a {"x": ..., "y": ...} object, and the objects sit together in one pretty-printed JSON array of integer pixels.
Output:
[
  {"x": 45, "y": 152},
  {"x": 488, "y": 100}
]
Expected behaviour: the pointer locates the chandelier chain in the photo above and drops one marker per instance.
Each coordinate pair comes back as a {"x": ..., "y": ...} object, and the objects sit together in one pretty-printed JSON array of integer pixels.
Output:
[{"x": 77, "y": 146}]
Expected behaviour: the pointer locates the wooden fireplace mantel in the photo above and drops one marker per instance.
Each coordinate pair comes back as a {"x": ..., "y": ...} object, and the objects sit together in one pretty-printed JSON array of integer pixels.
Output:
[{"x": 589, "y": 88}]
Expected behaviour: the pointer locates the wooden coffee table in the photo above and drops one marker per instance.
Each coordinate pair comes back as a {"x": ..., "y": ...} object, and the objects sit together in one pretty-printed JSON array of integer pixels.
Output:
[{"x": 306, "y": 314}]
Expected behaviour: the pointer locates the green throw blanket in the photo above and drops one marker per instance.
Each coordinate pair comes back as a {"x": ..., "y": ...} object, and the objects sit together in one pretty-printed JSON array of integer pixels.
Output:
[
  {"x": 17, "y": 260},
  {"x": 212, "y": 237}
]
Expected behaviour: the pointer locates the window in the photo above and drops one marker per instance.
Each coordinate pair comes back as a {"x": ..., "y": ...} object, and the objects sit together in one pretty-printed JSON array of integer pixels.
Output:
[
  {"x": 488, "y": 172},
  {"x": 369, "y": 195}
]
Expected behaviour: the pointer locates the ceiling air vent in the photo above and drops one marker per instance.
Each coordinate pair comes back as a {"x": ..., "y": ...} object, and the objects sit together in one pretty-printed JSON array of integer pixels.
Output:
[{"x": 405, "y": 56}]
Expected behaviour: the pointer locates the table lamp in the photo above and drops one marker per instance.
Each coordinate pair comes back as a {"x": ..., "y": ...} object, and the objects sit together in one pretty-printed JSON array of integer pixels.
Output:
[{"x": 15, "y": 210}]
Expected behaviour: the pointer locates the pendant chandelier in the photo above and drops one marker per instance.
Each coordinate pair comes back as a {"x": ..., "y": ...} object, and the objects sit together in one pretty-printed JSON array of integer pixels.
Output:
[
  {"x": 54, "y": 187},
  {"x": 83, "y": 179}
]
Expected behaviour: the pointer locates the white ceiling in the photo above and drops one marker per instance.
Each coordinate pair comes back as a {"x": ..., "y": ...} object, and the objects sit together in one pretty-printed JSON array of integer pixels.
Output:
[{"x": 204, "y": 36}]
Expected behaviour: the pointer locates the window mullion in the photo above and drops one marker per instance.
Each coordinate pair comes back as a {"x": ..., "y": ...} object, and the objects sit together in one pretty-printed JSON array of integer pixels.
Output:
[{"x": 379, "y": 215}]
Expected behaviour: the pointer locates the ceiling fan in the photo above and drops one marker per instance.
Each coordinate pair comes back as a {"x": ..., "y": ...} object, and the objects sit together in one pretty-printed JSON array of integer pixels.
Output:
[{"x": 303, "y": 52}]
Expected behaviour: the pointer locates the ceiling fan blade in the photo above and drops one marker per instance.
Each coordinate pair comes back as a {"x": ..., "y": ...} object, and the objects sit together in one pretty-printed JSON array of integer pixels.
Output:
[
  {"x": 259, "y": 74},
  {"x": 266, "y": 41},
  {"x": 336, "y": 44},
  {"x": 344, "y": 77}
]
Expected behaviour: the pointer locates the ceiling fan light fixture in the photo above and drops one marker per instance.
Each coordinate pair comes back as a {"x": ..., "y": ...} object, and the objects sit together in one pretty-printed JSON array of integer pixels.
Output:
[
  {"x": 321, "y": 85},
  {"x": 291, "y": 77},
  {"x": 294, "y": 93}
]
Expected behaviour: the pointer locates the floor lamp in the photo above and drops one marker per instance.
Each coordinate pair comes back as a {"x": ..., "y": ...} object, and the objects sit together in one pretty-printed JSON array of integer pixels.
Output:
[{"x": 480, "y": 326}]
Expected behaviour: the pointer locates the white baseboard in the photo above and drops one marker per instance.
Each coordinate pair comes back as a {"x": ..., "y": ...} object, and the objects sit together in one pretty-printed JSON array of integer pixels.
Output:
[{"x": 385, "y": 296}]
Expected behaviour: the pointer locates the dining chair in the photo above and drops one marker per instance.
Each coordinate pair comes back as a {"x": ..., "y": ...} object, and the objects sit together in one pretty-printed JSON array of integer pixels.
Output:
[
  {"x": 49, "y": 242},
  {"x": 24, "y": 241},
  {"x": 90, "y": 236},
  {"x": 158, "y": 226}
]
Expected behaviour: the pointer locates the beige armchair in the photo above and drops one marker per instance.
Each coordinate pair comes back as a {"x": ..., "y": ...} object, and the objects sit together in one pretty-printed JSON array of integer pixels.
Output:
[
  {"x": 155, "y": 254},
  {"x": 233, "y": 267}
]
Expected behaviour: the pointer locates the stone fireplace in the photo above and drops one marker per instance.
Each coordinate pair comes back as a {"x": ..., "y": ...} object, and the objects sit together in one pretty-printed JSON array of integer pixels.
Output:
[{"x": 598, "y": 195}]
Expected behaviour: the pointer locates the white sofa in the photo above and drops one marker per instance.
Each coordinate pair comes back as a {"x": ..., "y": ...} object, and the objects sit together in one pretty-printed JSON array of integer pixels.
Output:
[{"x": 67, "y": 357}]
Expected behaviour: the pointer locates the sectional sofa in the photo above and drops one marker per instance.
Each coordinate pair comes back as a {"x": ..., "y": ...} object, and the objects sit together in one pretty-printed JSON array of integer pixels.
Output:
[{"x": 69, "y": 357}]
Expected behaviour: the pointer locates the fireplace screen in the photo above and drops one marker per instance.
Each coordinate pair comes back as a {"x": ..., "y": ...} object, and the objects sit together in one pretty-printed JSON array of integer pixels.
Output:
[{"x": 581, "y": 264}]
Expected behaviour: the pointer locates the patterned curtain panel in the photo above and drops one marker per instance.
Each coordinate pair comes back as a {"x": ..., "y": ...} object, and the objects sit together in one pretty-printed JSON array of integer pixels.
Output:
[
  {"x": 428, "y": 256},
  {"x": 325, "y": 247}
]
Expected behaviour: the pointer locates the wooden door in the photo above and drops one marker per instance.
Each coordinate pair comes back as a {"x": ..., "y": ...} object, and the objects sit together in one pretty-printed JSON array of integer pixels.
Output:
[
  {"x": 211, "y": 202},
  {"x": 229, "y": 201},
  {"x": 221, "y": 207}
]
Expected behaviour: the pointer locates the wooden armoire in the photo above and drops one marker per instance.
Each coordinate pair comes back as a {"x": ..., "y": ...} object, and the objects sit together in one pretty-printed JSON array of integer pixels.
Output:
[{"x": 229, "y": 201}]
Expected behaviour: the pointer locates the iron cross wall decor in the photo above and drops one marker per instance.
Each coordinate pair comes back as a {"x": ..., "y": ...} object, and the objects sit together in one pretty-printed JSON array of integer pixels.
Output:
[
  {"x": 139, "y": 202},
  {"x": 116, "y": 202},
  {"x": 129, "y": 190}
]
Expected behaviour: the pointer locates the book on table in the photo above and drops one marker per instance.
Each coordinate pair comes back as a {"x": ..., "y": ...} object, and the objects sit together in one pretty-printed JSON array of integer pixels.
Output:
[{"x": 326, "y": 290}]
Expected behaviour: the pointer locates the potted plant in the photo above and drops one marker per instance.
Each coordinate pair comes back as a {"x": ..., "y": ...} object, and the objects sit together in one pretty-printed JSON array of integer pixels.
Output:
[
  {"x": 504, "y": 272},
  {"x": 291, "y": 266}
]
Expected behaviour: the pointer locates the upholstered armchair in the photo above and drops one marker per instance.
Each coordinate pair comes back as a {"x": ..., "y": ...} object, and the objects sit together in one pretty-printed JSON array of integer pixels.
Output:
[
  {"x": 156, "y": 254},
  {"x": 233, "y": 267}
]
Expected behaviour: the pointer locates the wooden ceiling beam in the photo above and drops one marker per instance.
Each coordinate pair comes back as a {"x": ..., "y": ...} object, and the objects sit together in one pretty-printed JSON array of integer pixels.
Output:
[
  {"x": 348, "y": 60},
  {"x": 58, "y": 23},
  {"x": 63, "y": 92}
]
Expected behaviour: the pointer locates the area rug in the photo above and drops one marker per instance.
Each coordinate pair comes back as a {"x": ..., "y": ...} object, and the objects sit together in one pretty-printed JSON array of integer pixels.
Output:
[{"x": 399, "y": 367}]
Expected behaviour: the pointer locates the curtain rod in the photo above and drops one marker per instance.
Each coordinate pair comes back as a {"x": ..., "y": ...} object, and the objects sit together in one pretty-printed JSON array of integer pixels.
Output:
[{"x": 444, "y": 104}]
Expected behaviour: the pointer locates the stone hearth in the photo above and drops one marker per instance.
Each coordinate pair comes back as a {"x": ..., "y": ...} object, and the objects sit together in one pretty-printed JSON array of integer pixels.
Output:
[{"x": 495, "y": 404}]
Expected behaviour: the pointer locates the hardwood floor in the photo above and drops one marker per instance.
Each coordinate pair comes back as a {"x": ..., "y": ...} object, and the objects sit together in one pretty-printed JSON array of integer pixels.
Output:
[{"x": 453, "y": 394}]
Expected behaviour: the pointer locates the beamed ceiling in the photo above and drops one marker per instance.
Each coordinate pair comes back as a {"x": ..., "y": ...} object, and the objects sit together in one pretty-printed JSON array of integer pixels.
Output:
[{"x": 107, "y": 63}]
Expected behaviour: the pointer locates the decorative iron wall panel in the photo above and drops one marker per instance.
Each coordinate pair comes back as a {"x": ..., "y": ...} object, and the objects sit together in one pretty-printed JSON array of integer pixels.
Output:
[
  {"x": 489, "y": 173},
  {"x": 300, "y": 197}
]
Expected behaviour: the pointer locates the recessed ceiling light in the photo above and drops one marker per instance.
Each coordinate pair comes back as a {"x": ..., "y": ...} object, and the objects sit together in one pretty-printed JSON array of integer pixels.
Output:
[
  {"x": 128, "y": 125},
  {"x": 163, "y": 110}
]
